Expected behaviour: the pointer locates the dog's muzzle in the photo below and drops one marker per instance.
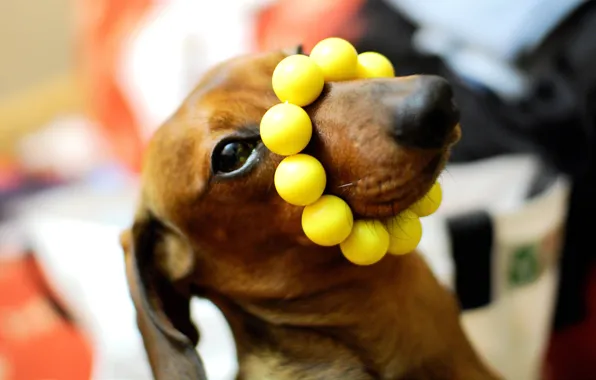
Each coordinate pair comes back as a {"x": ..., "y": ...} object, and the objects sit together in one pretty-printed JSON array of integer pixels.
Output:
[{"x": 427, "y": 115}]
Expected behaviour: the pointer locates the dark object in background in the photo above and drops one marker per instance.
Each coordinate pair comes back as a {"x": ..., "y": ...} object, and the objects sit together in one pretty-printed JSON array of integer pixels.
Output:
[
  {"x": 550, "y": 122},
  {"x": 472, "y": 236}
]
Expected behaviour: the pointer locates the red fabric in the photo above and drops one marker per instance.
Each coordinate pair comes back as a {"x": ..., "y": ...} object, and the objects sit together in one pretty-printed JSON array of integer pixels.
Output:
[
  {"x": 104, "y": 26},
  {"x": 36, "y": 341},
  {"x": 10, "y": 175},
  {"x": 286, "y": 23},
  {"x": 572, "y": 351}
]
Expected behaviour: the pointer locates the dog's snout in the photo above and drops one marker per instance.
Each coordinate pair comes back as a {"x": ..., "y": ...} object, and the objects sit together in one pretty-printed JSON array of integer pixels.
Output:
[{"x": 425, "y": 117}]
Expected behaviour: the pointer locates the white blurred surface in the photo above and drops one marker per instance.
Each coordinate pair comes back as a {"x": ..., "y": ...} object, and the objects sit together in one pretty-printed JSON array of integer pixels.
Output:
[
  {"x": 75, "y": 232},
  {"x": 176, "y": 43}
]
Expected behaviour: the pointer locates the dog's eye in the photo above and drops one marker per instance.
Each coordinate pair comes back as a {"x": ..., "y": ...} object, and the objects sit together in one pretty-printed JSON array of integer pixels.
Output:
[{"x": 232, "y": 156}]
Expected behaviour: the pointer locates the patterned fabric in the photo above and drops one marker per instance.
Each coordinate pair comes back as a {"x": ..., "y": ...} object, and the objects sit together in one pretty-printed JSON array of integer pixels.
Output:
[{"x": 37, "y": 338}]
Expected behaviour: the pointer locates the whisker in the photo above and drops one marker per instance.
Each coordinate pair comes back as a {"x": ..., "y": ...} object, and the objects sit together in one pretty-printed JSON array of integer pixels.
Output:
[
  {"x": 347, "y": 186},
  {"x": 396, "y": 221},
  {"x": 271, "y": 184},
  {"x": 446, "y": 171}
]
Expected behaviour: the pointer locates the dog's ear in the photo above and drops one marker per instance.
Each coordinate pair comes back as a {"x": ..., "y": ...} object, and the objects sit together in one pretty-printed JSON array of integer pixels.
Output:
[
  {"x": 298, "y": 49},
  {"x": 162, "y": 306}
]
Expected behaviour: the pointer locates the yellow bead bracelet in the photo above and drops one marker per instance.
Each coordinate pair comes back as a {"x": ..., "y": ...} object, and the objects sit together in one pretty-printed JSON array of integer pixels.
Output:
[{"x": 300, "y": 179}]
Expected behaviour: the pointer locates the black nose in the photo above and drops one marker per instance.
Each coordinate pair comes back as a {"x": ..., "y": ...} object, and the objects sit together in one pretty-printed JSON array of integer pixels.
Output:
[{"x": 427, "y": 114}]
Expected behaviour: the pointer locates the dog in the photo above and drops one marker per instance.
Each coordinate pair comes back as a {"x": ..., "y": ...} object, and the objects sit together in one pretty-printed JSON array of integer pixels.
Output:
[{"x": 209, "y": 223}]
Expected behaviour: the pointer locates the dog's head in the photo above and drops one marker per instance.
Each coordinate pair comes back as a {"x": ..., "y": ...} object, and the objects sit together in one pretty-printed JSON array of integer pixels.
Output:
[{"x": 210, "y": 218}]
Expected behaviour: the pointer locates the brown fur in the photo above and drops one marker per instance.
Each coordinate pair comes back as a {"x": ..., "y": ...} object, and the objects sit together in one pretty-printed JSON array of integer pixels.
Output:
[{"x": 297, "y": 310}]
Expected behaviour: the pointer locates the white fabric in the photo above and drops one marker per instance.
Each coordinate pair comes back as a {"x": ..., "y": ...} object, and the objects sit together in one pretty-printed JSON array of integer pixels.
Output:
[
  {"x": 174, "y": 45},
  {"x": 480, "y": 39}
]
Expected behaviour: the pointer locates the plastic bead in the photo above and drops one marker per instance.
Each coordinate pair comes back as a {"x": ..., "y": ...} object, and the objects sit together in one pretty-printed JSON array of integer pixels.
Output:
[
  {"x": 337, "y": 58},
  {"x": 328, "y": 221},
  {"x": 367, "y": 244},
  {"x": 374, "y": 65},
  {"x": 300, "y": 179},
  {"x": 298, "y": 79},
  {"x": 430, "y": 203},
  {"x": 405, "y": 232},
  {"x": 286, "y": 129}
]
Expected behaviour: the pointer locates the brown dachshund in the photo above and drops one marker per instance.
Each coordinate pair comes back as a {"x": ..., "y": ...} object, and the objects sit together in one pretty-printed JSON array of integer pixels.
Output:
[{"x": 211, "y": 224}]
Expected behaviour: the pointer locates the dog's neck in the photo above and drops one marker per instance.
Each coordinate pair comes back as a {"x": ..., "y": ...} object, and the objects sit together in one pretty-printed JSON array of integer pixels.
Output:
[{"x": 358, "y": 310}]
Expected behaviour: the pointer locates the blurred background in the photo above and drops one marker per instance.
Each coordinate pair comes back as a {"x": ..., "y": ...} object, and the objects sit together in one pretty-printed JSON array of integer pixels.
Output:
[{"x": 83, "y": 85}]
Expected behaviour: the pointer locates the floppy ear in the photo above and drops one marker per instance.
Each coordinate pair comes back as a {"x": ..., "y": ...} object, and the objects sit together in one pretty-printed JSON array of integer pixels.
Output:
[{"x": 163, "y": 307}]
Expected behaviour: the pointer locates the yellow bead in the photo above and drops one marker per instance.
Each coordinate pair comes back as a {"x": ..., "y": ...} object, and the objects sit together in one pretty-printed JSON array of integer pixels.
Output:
[
  {"x": 286, "y": 129},
  {"x": 300, "y": 179},
  {"x": 405, "y": 232},
  {"x": 337, "y": 58},
  {"x": 367, "y": 243},
  {"x": 374, "y": 65},
  {"x": 298, "y": 79},
  {"x": 428, "y": 204},
  {"x": 328, "y": 221}
]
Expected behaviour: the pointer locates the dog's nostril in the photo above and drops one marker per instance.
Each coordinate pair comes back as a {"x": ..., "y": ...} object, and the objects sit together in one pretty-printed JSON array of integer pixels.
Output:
[{"x": 427, "y": 114}]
